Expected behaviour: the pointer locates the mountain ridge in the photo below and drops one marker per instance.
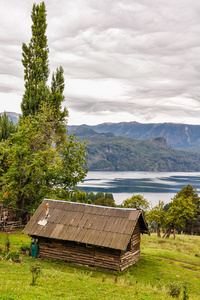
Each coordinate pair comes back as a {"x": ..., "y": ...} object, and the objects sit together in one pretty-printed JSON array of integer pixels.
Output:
[
  {"x": 109, "y": 152},
  {"x": 179, "y": 136}
]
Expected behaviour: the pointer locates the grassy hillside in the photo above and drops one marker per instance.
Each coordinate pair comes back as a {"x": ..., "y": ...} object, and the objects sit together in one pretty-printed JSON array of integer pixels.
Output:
[
  {"x": 163, "y": 264},
  {"x": 109, "y": 152}
]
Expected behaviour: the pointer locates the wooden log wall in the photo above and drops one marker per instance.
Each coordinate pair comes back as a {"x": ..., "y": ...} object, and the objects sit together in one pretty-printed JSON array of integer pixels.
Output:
[
  {"x": 131, "y": 256},
  {"x": 79, "y": 253},
  {"x": 92, "y": 255}
]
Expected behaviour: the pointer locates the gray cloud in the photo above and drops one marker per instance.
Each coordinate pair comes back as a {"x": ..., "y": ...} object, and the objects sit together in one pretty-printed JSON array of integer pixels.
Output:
[{"x": 137, "y": 60}]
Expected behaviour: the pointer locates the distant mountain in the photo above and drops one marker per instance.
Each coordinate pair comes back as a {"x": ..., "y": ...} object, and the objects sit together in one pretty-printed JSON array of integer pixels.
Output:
[
  {"x": 139, "y": 147},
  {"x": 12, "y": 115},
  {"x": 109, "y": 152},
  {"x": 180, "y": 136}
]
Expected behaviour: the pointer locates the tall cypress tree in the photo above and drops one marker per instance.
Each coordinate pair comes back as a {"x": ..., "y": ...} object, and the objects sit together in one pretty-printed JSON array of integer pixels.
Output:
[
  {"x": 30, "y": 164},
  {"x": 35, "y": 62},
  {"x": 55, "y": 100},
  {"x": 36, "y": 73}
]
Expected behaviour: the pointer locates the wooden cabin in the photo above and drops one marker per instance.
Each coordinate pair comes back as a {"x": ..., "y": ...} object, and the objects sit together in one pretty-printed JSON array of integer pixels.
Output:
[
  {"x": 8, "y": 219},
  {"x": 98, "y": 236}
]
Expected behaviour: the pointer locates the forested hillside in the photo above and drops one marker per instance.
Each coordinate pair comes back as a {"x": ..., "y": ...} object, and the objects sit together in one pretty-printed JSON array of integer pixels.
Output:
[{"x": 109, "y": 152}]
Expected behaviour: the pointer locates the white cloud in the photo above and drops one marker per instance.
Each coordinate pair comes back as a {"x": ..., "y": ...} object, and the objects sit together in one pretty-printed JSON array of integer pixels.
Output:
[{"x": 123, "y": 60}]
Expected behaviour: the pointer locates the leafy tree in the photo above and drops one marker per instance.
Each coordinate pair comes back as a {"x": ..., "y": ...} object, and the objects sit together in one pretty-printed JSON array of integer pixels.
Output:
[
  {"x": 73, "y": 168},
  {"x": 36, "y": 168},
  {"x": 3, "y": 160},
  {"x": 81, "y": 196},
  {"x": 181, "y": 209},
  {"x": 186, "y": 192},
  {"x": 189, "y": 191},
  {"x": 109, "y": 196},
  {"x": 166, "y": 207},
  {"x": 105, "y": 202},
  {"x": 91, "y": 196},
  {"x": 157, "y": 214},
  {"x": 99, "y": 195},
  {"x": 35, "y": 62},
  {"x": 32, "y": 162},
  {"x": 7, "y": 127},
  {"x": 137, "y": 202}
]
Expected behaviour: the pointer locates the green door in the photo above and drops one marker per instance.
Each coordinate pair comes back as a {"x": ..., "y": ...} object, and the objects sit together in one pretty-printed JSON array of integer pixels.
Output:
[{"x": 34, "y": 249}]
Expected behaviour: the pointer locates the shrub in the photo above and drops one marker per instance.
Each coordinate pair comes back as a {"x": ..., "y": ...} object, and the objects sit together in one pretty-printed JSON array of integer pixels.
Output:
[
  {"x": 24, "y": 248},
  {"x": 174, "y": 290},
  {"x": 36, "y": 272},
  {"x": 185, "y": 293},
  {"x": 14, "y": 256}
]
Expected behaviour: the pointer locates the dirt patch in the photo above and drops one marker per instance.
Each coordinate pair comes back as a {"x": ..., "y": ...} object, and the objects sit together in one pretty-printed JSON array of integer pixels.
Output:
[
  {"x": 191, "y": 269},
  {"x": 174, "y": 260}
]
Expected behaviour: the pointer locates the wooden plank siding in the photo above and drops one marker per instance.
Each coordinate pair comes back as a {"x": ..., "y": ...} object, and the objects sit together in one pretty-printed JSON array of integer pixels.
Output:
[
  {"x": 133, "y": 254},
  {"x": 79, "y": 253},
  {"x": 91, "y": 255}
]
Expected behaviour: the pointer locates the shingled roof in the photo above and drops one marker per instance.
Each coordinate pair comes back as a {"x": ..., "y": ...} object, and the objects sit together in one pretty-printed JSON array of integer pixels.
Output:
[{"x": 84, "y": 223}]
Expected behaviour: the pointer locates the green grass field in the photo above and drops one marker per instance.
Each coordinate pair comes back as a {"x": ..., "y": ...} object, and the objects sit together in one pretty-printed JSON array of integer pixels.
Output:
[{"x": 166, "y": 266}]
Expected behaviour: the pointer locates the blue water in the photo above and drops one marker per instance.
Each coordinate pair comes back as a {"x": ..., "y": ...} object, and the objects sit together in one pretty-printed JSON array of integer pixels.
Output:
[{"x": 154, "y": 186}]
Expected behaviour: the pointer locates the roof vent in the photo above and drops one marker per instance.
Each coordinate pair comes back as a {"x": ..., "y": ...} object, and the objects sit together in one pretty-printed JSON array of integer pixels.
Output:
[
  {"x": 44, "y": 221},
  {"x": 47, "y": 210}
]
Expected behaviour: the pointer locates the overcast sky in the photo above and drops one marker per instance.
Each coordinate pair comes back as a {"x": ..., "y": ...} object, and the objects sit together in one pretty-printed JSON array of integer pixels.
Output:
[{"x": 123, "y": 60}]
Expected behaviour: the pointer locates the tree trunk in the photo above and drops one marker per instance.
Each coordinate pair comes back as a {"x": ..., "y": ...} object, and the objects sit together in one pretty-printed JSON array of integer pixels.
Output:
[
  {"x": 7, "y": 242},
  {"x": 158, "y": 231},
  {"x": 167, "y": 232},
  {"x": 174, "y": 234},
  {"x": 192, "y": 229},
  {"x": 19, "y": 208}
]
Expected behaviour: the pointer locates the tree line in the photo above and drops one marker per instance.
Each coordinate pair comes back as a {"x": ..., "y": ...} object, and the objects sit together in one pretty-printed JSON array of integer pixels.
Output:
[
  {"x": 182, "y": 214},
  {"x": 99, "y": 198}
]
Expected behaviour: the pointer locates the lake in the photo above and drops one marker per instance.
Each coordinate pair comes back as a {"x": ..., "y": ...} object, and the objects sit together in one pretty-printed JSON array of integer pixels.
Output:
[{"x": 154, "y": 186}]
